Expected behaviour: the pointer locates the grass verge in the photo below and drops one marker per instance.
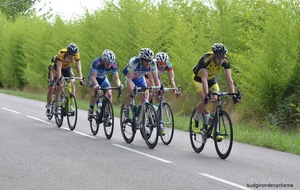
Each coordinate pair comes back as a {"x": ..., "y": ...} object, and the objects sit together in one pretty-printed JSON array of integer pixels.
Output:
[{"x": 267, "y": 136}]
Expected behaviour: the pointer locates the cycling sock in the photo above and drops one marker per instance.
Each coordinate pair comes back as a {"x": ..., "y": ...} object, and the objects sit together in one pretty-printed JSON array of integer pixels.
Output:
[{"x": 196, "y": 116}]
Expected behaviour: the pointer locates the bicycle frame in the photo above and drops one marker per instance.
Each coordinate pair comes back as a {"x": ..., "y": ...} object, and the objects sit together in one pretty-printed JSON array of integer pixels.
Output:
[{"x": 220, "y": 129}]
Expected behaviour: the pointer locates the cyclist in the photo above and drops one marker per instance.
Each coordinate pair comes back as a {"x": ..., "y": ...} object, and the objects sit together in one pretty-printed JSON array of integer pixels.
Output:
[
  {"x": 204, "y": 79},
  {"x": 135, "y": 71},
  {"x": 64, "y": 59},
  {"x": 98, "y": 76},
  {"x": 51, "y": 83},
  {"x": 163, "y": 65}
]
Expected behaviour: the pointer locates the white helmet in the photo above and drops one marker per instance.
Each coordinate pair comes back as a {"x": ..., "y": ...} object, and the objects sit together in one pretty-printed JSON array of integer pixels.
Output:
[
  {"x": 162, "y": 57},
  {"x": 108, "y": 56},
  {"x": 146, "y": 53}
]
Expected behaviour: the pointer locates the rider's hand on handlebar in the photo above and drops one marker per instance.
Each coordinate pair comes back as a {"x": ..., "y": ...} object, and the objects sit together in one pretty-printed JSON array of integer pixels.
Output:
[
  {"x": 82, "y": 82},
  {"x": 236, "y": 99},
  {"x": 121, "y": 86},
  {"x": 207, "y": 97},
  {"x": 96, "y": 87}
]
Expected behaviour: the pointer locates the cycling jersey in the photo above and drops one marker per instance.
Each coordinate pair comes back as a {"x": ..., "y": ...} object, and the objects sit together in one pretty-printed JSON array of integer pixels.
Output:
[
  {"x": 61, "y": 55},
  {"x": 169, "y": 67},
  {"x": 207, "y": 62},
  {"x": 98, "y": 66},
  {"x": 135, "y": 65}
]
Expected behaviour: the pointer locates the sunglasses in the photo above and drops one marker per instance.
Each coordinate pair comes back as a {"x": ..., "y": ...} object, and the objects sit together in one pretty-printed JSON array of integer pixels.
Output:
[{"x": 162, "y": 63}]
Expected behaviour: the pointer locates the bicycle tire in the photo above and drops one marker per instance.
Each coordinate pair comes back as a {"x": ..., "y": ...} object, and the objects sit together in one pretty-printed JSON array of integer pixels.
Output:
[
  {"x": 94, "y": 123},
  {"x": 150, "y": 125},
  {"x": 72, "y": 115},
  {"x": 108, "y": 118},
  {"x": 51, "y": 111},
  {"x": 128, "y": 129},
  {"x": 59, "y": 117},
  {"x": 166, "y": 120},
  {"x": 224, "y": 146},
  {"x": 197, "y": 140}
]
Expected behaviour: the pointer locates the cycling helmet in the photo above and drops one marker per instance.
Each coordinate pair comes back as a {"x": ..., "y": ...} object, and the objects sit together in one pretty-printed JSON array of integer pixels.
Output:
[
  {"x": 108, "y": 56},
  {"x": 72, "y": 49},
  {"x": 146, "y": 53},
  {"x": 219, "y": 49},
  {"x": 162, "y": 57}
]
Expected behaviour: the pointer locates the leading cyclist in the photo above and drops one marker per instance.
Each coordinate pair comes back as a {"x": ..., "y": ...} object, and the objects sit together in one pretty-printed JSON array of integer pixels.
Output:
[
  {"x": 204, "y": 78},
  {"x": 64, "y": 59}
]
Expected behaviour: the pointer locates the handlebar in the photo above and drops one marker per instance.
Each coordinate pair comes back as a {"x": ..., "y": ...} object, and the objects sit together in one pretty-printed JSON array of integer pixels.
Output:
[
  {"x": 236, "y": 95},
  {"x": 109, "y": 88}
]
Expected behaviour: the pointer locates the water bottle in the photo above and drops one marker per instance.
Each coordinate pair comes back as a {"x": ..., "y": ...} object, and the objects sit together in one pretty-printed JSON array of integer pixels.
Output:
[
  {"x": 206, "y": 117},
  {"x": 155, "y": 106}
]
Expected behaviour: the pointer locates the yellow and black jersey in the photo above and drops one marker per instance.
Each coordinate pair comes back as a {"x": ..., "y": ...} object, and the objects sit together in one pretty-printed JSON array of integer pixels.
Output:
[
  {"x": 61, "y": 55},
  {"x": 207, "y": 62}
]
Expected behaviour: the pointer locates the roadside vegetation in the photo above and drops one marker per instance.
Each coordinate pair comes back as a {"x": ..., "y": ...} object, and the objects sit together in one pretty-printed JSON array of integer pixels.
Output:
[{"x": 262, "y": 37}]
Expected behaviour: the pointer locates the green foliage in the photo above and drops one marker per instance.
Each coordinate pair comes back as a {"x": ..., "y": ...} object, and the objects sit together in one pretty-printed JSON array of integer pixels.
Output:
[
  {"x": 262, "y": 37},
  {"x": 12, "y": 8}
]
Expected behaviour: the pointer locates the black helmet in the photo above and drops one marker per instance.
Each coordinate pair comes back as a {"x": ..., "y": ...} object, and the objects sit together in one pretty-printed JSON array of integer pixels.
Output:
[
  {"x": 219, "y": 49},
  {"x": 72, "y": 49}
]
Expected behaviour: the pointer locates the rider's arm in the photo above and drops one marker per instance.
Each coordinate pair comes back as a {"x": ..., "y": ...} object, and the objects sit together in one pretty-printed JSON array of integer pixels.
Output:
[
  {"x": 229, "y": 80},
  {"x": 117, "y": 80},
  {"x": 58, "y": 70},
  {"x": 204, "y": 75},
  {"x": 129, "y": 81},
  {"x": 93, "y": 79},
  {"x": 78, "y": 68}
]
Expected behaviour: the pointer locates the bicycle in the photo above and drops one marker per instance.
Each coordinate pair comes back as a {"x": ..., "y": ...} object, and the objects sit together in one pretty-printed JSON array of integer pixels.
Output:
[
  {"x": 67, "y": 106},
  {"x": 141, "y": 117},
  {"x": 165, "y": 114},
  {"x": 219, "y": 128},
  {"x": 104, "y": 113}
]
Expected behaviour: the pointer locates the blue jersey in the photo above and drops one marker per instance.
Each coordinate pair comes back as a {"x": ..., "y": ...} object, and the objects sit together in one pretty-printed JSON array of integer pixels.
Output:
[
  {"x": 134, "y": 65},
  {"x": 98, "y": 66}
]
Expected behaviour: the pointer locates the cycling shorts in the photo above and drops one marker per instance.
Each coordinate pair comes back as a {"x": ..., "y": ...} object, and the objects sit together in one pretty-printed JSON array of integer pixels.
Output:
[{"x": 212, "y": 85}]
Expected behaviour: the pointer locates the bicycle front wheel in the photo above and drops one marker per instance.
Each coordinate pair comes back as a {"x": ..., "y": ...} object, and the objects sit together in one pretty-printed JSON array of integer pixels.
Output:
[
  {"x": 223, "y": 135},
  {"x": 59, "y": 117},
  {"x": 150, "y": 126},
  {"x": 51, "y": 111},
  {"x": 72, "y": 111},
  {"x": 108, "y": 118},
  {"x": 94, "y": 123},
  {"x": 166, "y": 120},
  {"x": 127, "y": 124},
  {"x": 198, "y": 139}
]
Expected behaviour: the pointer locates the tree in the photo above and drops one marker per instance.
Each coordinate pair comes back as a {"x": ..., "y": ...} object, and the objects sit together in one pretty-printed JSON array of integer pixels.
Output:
[{"x": 13, "y": 8}]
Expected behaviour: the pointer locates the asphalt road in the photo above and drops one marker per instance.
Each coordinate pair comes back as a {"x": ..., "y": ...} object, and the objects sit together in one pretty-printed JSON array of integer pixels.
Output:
[{"x": 36, "y": 154}]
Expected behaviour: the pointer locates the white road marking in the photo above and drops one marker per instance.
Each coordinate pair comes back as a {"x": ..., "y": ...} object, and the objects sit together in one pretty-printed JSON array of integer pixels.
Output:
[
  {"x": 224, "y": 181},
  {"x": 37, "y": 119},
  {"x": 83, "y": 134},
  {"x": 11, "y": 110},
  {"x": 80, "y": 133},
  {"x": 144, "y": 154}
]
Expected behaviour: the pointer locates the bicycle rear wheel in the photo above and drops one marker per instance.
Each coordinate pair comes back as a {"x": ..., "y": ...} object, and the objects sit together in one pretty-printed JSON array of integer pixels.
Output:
[
  {"x": 94, "y": 123},
  {"x": 166, "y": 120},
  {"x": 72, "y": 111},
  {"x": 108, "y": 118},
  {"x": 59, "y": 117},
  {"x": 150, "y": 126},
  {"x": 198, "y": 140},
  {"x": 127, "y": 124},
  {"x": 223, "y": 144}
]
